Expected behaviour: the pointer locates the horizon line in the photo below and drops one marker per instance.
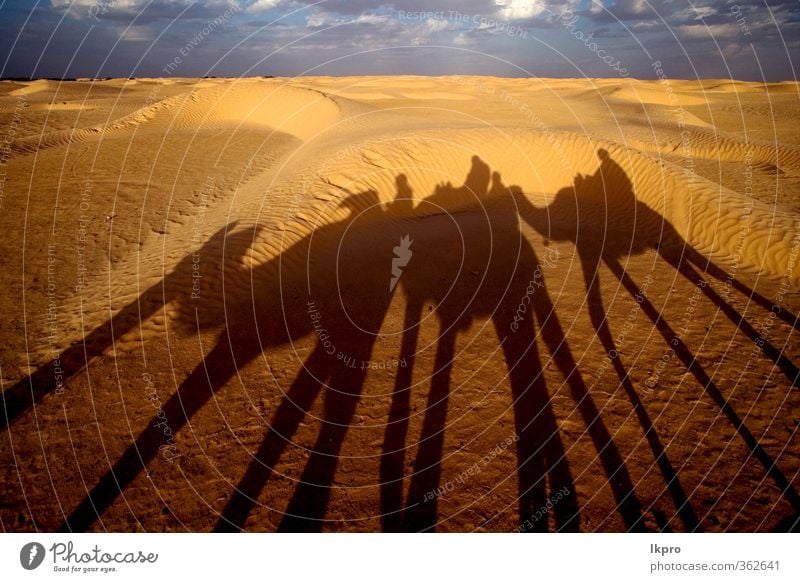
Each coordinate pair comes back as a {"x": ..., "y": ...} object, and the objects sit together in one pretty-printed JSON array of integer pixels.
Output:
[{"x": 627, "y": 77}]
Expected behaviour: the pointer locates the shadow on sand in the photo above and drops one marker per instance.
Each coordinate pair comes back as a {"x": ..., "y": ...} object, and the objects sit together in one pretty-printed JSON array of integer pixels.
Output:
[{"x": 475, "y": 264}]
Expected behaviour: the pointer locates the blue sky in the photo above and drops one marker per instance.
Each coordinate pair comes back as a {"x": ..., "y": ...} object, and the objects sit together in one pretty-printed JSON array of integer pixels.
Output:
[{"x": 743, "y": 39}]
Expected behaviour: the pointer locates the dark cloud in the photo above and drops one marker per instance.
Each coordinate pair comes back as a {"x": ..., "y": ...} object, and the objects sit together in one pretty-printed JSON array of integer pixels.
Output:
[
  {"x": 143, "y": 11},
  {"x": 361, "y": 6},
  {"x": 292, "y": 36}
]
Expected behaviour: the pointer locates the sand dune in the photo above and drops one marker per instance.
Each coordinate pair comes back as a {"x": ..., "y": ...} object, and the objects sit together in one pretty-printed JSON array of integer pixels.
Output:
[
  {"x": 296, "y": 112},
  {"x": 344, "y": 293}
]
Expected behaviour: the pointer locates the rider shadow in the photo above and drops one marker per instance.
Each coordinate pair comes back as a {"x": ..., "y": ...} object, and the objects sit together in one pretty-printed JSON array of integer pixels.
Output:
[
  {"x": 539, "y": 447},
  {"x": 322, "y": 253},
  {"x": 601, "y": 215},
  {"x": 495, "y": 275}
]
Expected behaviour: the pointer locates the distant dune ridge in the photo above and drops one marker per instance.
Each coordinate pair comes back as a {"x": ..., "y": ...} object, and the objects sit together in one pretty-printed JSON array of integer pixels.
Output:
[{"x": 207, "y": 324}]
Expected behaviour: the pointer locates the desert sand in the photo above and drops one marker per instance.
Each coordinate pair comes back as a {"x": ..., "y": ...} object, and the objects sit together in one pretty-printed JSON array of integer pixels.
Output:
[{"x": 399, "y": 303}]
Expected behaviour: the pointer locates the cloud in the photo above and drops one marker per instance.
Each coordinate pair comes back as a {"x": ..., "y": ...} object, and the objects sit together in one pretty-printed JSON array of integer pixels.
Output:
[
  {"x": 435, "y": 25},
  {"x": 262, "y": 5},
  {"x": 353, "y": 7},
  {"x": 372, "y": 19},
  {"x": 462, "y": 39},
  {"x": 425, "y": 31},
  {"x": 320, "y": 19},
  {"x": 144, "y": 10},
  {"x": 136, "y": 34},
  {"x": 712, "y": 36},
  {"x": 371, "y": 31},
  {"x": 706, "y": 31},
  {"x": 521, "y": 9},
  {"x": 627, "y": 9}
]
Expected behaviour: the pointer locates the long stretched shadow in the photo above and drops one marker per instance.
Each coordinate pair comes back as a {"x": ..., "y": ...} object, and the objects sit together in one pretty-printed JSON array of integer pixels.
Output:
[
  {"x": 326, "y": 286},
  {"x": 602, "y": 216},
  {"x": 55, "y": 374},
  {"x": 496, "y": 274},
  {"x": 285, "y": 305}
]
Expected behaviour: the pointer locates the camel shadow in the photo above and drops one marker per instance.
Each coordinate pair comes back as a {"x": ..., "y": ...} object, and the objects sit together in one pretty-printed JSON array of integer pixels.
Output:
[
  {"x": 288, "y": 299},
  {"x": 601, "y": 215},
  {"x": 463, "y": 250},
  {"x": 495, "y": 275}
]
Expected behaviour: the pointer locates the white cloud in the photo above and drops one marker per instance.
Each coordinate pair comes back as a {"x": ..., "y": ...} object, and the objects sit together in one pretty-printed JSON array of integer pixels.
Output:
[
  {"x": 261, "y": 5},
  {"x": 631, "y": 6},
  {"x": 319, "y": 19},
  {"x": 324, "y": 19},
  {"x": 435, "y": 25},
  {"x": 700, "y": 12},
  {"x": 733, "y": 49},
  {"x": 626, "y": 9},
  {"x": 423, "y": 32},
  {"x": 716, "y": 31},
  {"x": 371, "y": 19},
  {"x": 462, "y": 39},
  {"x": 137, "y": 34},
  {"x": 520, "y": 9}
]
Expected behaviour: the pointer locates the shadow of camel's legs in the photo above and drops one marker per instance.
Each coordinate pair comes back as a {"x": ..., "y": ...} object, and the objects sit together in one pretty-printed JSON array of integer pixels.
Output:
[
  {"x": 790, "y": 524},
  {"x": 421, "y": 507},
  {"x": 628, "y": 505},
  {"x": 392, "y": 468},
  {"x": 307, "y": 507},
  {"x": 599, "y": 318},
  {"x": 22, "y": 395},
  {"x": 210, "y": 375},
  {"x": 689, "y": 254},
  {"x": 540, "y": 452},
  {"x": 292, "y": 410},
  {"x": 688, "y": 360},
  {"x": 787, "y": 367}
]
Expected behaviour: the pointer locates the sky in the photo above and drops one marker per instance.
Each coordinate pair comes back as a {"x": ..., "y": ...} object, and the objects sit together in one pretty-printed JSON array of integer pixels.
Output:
[{"x": 645, "y": 39}]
